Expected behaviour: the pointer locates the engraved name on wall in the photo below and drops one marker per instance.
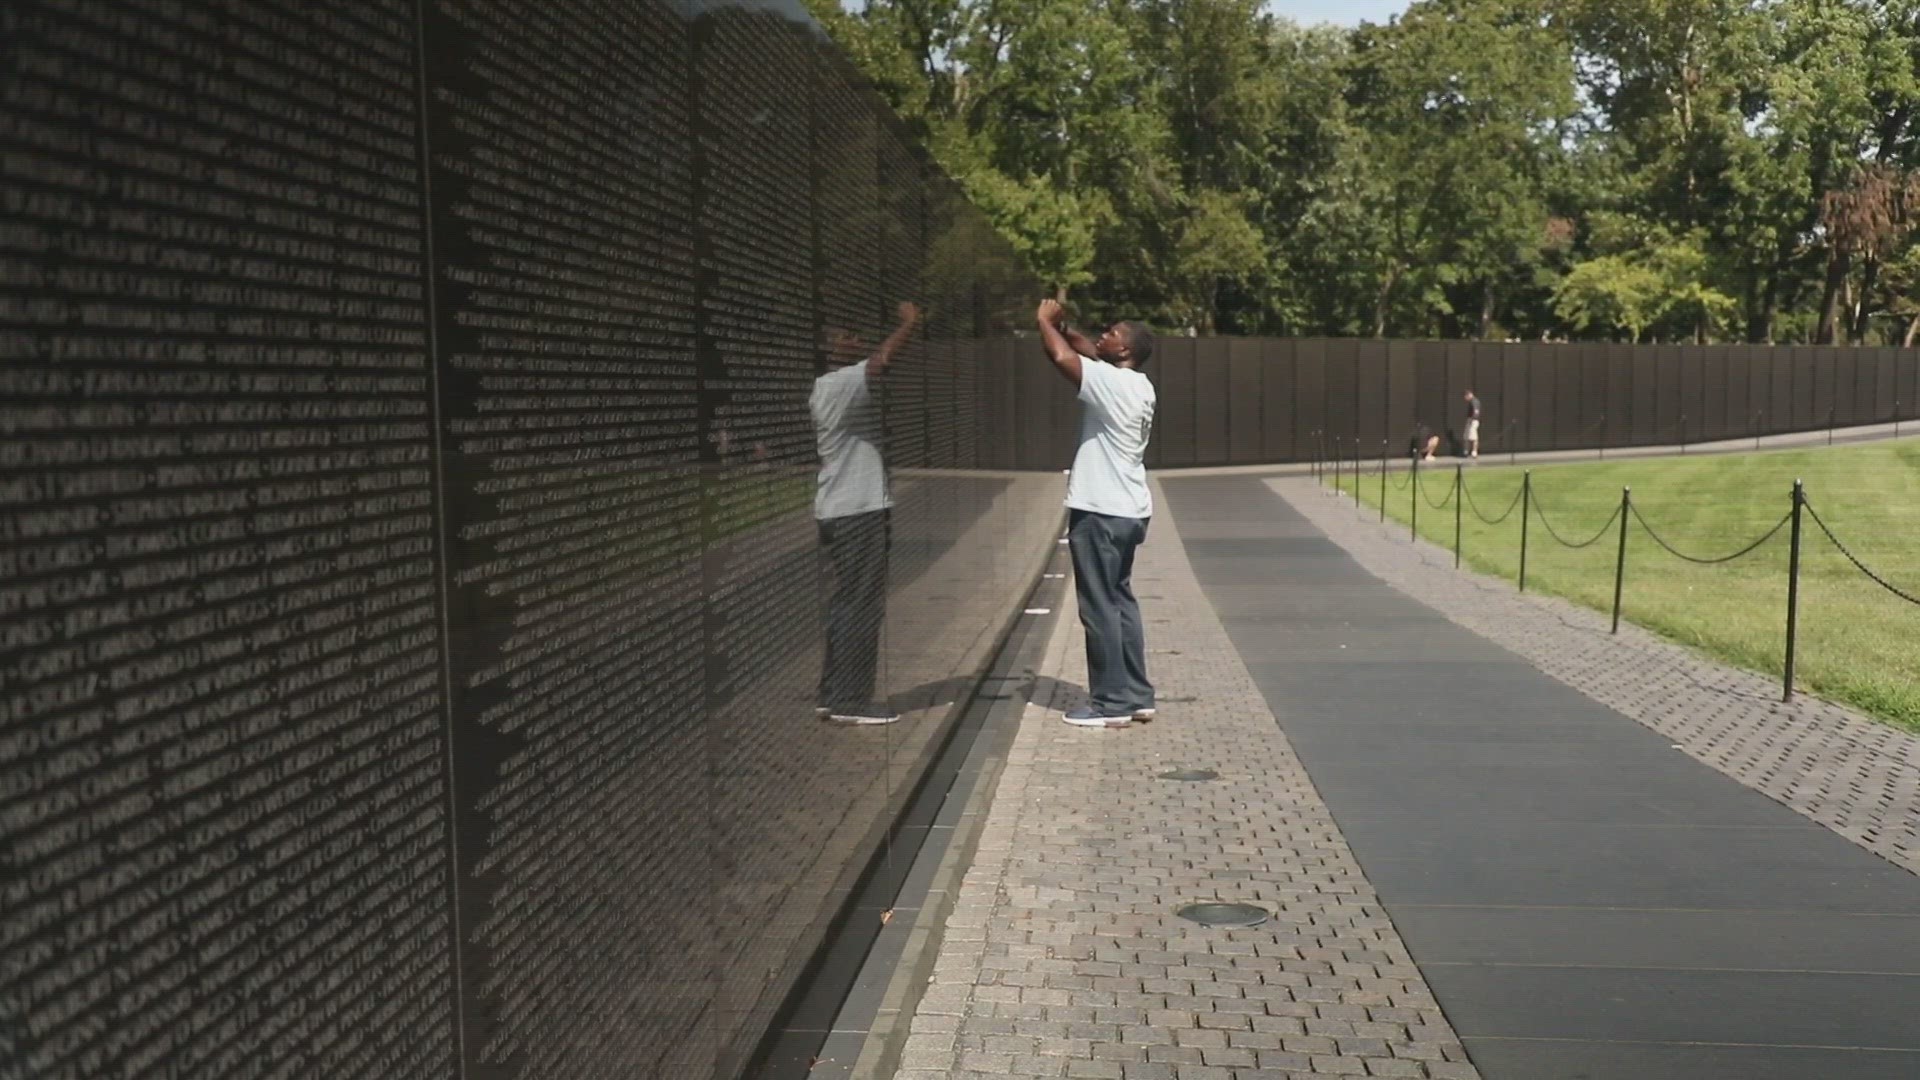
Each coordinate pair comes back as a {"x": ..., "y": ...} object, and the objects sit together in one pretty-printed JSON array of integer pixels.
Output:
[{"x": 222, "y": 801}]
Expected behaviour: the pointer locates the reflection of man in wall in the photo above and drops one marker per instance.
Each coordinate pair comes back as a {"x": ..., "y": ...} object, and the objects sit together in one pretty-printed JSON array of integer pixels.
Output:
[
  {"x": 1472, "y": 432},
  {"x": 1109, "y": 505},
  {"x": 853, "y": 506}
]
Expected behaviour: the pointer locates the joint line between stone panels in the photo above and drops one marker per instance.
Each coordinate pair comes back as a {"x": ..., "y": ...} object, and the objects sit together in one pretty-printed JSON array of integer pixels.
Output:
[{"x": 430, "y": 294}]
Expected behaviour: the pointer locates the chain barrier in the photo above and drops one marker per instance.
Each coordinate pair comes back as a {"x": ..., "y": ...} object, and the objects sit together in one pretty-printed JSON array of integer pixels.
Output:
[
  {"x": 1475, "y": 507},
  {"x": 1862, "y": 567},
  {"x": 1678, "y": 554},
  {"x": 1443, "y": 503},
  {"x": 1625, "y": 513},
  {"x": 1555, "y": 533},
  {"x": 1405, "y": 475}
]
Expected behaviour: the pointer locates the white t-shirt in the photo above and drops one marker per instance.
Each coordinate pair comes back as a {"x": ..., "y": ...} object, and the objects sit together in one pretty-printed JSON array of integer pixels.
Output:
[
  {"x": 1116, "y": 419},
  {"x": 846, "y": 428}
]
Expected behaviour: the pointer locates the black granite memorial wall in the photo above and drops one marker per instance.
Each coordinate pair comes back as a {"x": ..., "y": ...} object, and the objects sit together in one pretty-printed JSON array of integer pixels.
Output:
[
  {"x": 1238, "y": 401},
  {"x": 412, "y": 604}
]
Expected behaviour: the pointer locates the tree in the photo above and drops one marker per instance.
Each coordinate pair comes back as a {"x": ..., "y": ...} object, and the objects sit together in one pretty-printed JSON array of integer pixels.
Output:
[
  {"x": 1052, "y": 228},
  {"x": 1611, "y": 291},
  {"x": 1866, "y": 220},
  {"x": 1655, "y": 278},
  {"x": 1217, "y": 247},
  {"x": 1455, "y": 96},
  {"x": 1473, "y": 167}
]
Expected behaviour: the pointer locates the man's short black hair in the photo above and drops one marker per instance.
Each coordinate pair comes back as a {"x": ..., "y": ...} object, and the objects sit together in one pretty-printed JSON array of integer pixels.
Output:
[{"x": 1139, "y": 342}]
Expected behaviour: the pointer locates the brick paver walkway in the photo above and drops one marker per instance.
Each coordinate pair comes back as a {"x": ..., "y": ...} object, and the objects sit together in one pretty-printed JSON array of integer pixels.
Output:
[
  {"x": 1858, "y": 777},
  {"x": 1064, "y": 958}
]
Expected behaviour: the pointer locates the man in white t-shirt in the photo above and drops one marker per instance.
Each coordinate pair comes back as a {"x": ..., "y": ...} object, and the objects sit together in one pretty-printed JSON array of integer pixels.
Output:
[
  {"x": 853, "y": 505},
  {"x": 1109, "y": 505}
]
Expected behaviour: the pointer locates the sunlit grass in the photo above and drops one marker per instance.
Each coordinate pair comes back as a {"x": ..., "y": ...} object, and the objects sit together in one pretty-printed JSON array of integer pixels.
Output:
[{"x": 1858, "y": 643}]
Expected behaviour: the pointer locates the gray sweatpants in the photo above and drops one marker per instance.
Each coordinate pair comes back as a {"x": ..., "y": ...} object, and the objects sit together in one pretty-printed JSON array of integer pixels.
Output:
[{"x": 1102, "y": 549}]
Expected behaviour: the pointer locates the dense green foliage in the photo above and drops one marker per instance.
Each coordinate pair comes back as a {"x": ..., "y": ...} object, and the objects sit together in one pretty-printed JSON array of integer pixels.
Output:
[{"x": 1594, "y": 169}]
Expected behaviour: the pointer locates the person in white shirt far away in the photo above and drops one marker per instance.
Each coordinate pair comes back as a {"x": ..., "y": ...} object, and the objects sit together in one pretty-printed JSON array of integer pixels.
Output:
[
  {"x": 853, "y": 506},
  {"x": 1109, "y": 505}
]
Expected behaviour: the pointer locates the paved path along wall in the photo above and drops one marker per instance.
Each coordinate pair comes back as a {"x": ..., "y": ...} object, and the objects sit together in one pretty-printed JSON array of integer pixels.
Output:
[
  {"x": 1586, "y": 896},
  {"x": 1064, "y": 956},
  {"x": 1490, "y": 831},
  {"x": 1855, "y": 775}
]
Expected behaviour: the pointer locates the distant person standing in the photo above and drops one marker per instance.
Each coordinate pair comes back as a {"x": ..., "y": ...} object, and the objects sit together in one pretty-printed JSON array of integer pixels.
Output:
[
  {"x": 1472, "y": 432},
  {"x": 853, "y": 505},
  {"x": 1109, "y": 506}
]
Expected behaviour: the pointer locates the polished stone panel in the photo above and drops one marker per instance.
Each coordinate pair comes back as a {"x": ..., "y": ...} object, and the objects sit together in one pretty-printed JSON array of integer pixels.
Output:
[{"x": 412, "y": 604}]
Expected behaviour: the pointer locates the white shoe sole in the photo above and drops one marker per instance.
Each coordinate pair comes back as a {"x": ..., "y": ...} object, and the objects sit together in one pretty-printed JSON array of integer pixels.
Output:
[
  {"x": 1144, "y": 715},
  {"x": 863, "y": 721},
  {"x": 1100, "y": 721}
]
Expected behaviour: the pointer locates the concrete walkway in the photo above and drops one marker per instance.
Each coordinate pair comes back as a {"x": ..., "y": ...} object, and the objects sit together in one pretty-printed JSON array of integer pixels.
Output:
[
  {"x": 1064, "y": 958},
  {"x": 1551, "y": 887}
]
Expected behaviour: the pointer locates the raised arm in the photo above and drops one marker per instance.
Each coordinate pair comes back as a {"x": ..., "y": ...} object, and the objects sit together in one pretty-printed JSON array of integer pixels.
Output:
[
  {"x": 883, "y": 356},
  {"x": 1066, "y": 359},
  {"x": 1080, "y": 342}
]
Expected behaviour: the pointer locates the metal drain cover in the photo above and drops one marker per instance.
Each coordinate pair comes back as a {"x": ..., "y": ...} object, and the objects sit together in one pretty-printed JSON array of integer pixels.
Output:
[
  {"x": 1224, "y": 914},
  {"x": 1190, "y": 774}
]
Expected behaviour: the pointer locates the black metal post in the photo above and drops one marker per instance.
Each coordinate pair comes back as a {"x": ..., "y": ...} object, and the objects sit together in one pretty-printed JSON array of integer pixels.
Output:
[
  {"x": 1336, "y": 464},
  {"x": 1620, "y": 564},
  {"x": 1413, "y": 501},
  {"x": 1793, "y": 588},
  {"x": 1526, "y": 511},
  {"x": 1459, "y": 496},
  {"x": 1383, "y": 480},
  {"x": 1356, "y": 472}
]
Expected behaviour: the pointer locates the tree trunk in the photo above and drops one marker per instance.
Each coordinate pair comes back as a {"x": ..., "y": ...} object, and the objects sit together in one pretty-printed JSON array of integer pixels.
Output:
[
  {"x": 1763, "y": 300},
  {"x": 1382, "y": 299},
  {"x": 1838, "y": 265},
  {"x": 1913, "y": 327},
  {"x": 1863, "y": 309},
  {"x": 1760, "y": 330},
  {"x": 1486, "y": 312}
]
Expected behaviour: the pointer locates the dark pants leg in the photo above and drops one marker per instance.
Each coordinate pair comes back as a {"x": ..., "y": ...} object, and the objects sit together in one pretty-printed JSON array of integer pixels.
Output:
[
  {"x": 1102, "y": 549},
  {"x": 857, "y": 546}
]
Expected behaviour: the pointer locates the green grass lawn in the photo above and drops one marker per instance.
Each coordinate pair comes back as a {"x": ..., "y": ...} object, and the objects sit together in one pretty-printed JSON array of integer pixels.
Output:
[{"x": 1858, "y": 643}]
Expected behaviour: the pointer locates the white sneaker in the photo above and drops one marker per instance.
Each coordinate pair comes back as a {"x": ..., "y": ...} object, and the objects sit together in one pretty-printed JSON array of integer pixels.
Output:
[
  {"x": 1089, "y": 718},
  {"x": 868, "y": 716},
  {"x": 1146, "y": 714}
]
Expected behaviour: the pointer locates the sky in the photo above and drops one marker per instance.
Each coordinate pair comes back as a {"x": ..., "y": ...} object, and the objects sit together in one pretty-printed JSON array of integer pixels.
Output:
[{"x": 1343, "y": 12}]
